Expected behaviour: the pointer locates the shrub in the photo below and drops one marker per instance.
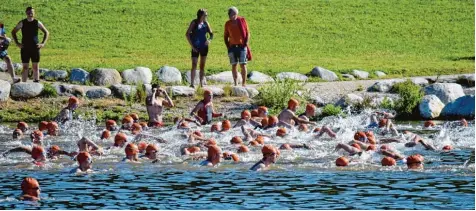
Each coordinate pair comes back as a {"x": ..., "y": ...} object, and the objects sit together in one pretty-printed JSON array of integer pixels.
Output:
[
  {"x": 48, "y": 91},
  {"x": 387, "y": 104},
  {"x": 277, "y": 94},
  {"x": 410, "y": 96},
  {"x": 227, "y": 90},
  {"x": 141, "y": 93},
  {"x": 331, "y": 110}
]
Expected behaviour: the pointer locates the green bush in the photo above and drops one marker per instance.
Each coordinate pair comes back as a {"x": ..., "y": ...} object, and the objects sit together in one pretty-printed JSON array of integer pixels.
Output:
[
  {"x": 48, "y": 91},
  {"x": 227, "y": 90},
  {"x": 387, "y": 104},
  {"x": 277, "y": 94},
  {"x": 331, "y": 110},
  {"x": 410, "y": 96}
]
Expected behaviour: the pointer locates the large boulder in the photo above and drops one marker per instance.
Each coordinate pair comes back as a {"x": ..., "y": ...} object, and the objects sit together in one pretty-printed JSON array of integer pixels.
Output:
[
  {"x": 138, "y": 75},
  {"x": 224, "y": 77},
  {"x": 317, "y": 100},
  {"x": 461, "y": 107},
  {"x": 170, "y": 75},
  {"x": 188, "y": 77},
  {"x": 121, "y": 91},
  {"x": 258, "y": 77},
  {"x": 56, "y": 75},
  {"x": 104, "y": 77},
  {"x": 325, "y": 74},
  {"x": 79, "y": 75},
  {"x": 348, "y": 76},
  {"x": 181, "y": 91},
  {"x": 430, "y": 107},
  {"x": 217, "y": 91},
  {"x": 360, "y": 74},
  {"x": 98, "y": 92},
  {"x": 380, "y": 74},
  {"x": 349, "y": 99},
  {"x": 240, "y": 91},
  {"x": 4, "y": 90},
  {"x": 447, "y": 92},
  {"x": 25, "y": 90},
  {"x": 69, "y": 90},
  {"x": 291, "y": 75},
  {"x": 466, "y": 80},
  {"x": 383, "y": 86},
  {"x": 3, "y": 66}
]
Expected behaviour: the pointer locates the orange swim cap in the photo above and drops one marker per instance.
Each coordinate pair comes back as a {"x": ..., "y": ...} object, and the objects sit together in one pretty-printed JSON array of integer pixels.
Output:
[
  {"x": 134, "y": 116},
  {"x": 83, "y": 156},
  {"x": 38, "y": 135},
  {"x": 144, "y": 125},
  {"x": 131, "y": 149},
  {"x": 120, "y": 139},
  {"x": 37, "y": 151},
  {"x": 360, "y": 136},
  {"x": 317, "y": 129},
  {"x": 29, "y": 183},
  {"x": 356, "y": 146},
  {"x": 254, "y": 113},
  {"x": 243, "y": 149},
  {"x": 215, "y": 127},
  {"x": 23, "y": 126},
  {"x": 371, "y": 139},
  {"x": 292, "y": 103},
  {"x": 429, "y": 123},
  {"x": 136, "y": 128},
  {"x": 105, "y": 134},
  {"x": 264, "y": 122},
  {"x": 110, "y": 124},
  {"x": 384, "y": 147},
  {"x": 236, "y": 140},
  {"x": 245, "y": 114},
  {"x": 73, "y": 100},
  {"x": 262, "y": 111},
  {"x": 272, "y": 120},
  {"x": 414, "y": 159},
  {"x": 371, "y": 147},
  {"x": 382, "y": 123},
  {"x": 388, "y": 161},
  {"x": 198, "y": 133},
  {"x": 43, "y": 125},
  {"x": 127, "y": 120},
  {"x": 210, "y": 142},
  {"x": 193, "y": 149},
  {"x": 142, "y": 145},
  {"x": 268, "y": 149},
  {"x": 207, "y": 92},
  {"x": 54, "y": 149},
  {"x": 226, "y": 125},
  {"x": 310, "y": 107},
  {"x": 281, "y": 132},
  {"x": 342, "y": 161},
  {"x": 260, "y": 140},
  {"x": 285, "y": 147},
  {"x": 52, "y": 128},
  {"x": 151, "y": 148},
  {"x": 235, "y": 157},
  {"x": 229, "y": 155},
  {"x": 254, "y": 143},
  {"x": 447, "y": 147},
  {"x": 303, "y": 128}
]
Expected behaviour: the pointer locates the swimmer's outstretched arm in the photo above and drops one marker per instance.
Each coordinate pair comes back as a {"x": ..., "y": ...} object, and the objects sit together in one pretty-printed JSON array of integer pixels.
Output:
[
  {"x": 18, "y": 149},
  {"x": 302, "y": 121},
  {"x": 389, "y": 140},
  {"x": 392, "y": 154}
]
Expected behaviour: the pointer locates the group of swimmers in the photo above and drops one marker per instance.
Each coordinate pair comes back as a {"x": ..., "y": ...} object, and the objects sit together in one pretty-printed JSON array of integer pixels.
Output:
[{"x": 257, "y": 127}]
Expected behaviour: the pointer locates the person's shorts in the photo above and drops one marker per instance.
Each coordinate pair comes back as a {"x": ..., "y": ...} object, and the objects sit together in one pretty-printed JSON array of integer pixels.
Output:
[
  {"x": 203, "y": 51},
  {"x": 373, "y": 125},
  {"x": 30, "y": 53},
  {"x": 237, "y": 54},
  {"x": 3, "y": 54}
]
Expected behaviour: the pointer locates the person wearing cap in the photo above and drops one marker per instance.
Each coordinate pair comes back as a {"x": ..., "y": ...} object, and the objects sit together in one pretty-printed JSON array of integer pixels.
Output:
[
  {"x": 37, "y": 153},
  {"x": 151, "y": 152},
  {"x": 251, "y": 134},
  {"x": 85, "y": 161},
  {"x": 86, "y": 145},
  {"x": 37, "y": 137},
  {"x": 155, "y": 105},
  {"x": 415, "y": 161},
  {"x": 43, "y": 127},
  {"x": 17, "y": 134},
  {"x": 4, "y": 43},
  {"x": 127, "y": 122},
  {"x": 54, "y": 152},
  {"x": 111, "y": 125},
  {"x": 30, "y": 45},
  {"x": 132, "y": 153},
  {"x": 353, "y": 149},
  {"x": 237, "y": 37},
  {"x": 213, "y": 156},
  {"x": 247, "y": 120},
  {"x": 30, "y": 189},
  {"x": 309, "y": 113},
  {"x": 287, "y": 115},
  {"x": 106, "y": 134},
  {"x": 135, "y": 117},
  {"x": 66, "y": 114},
  {"x": 23, "y": 126},
  {"x": 270, "y": 155},
  {"x": 195, "y": 135},
  {"x": 389, "y": 152},
  {"x": 231, "y": 156},
  {"x": 204, "y": 111},
  {"x": 272, "y": 122},
  {"x": 53, "y": 129}
]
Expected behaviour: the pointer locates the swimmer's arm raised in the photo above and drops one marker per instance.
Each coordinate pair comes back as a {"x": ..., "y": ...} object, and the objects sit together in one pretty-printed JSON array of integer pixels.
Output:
[
  {"x": 18, "y": 149},
  {"x": 169, "y": 102}
]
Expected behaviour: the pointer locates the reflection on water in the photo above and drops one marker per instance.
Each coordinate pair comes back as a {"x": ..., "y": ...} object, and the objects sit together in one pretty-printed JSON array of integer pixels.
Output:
[{"x": 301, "y": 179}]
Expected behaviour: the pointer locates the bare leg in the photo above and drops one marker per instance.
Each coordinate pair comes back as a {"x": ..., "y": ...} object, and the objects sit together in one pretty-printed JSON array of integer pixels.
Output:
[
  {"x": 347, "y": 148},
  {"x": 327, "y": 130},
  {"x": 36, "y": 71},
  {"x": 192, "y": 72},
  {"x": 391, "y": 127},
  {"x": 233, "y": 71},
  {"x": 8, "y": 60},
  {"x": 24, "y": 74},
  {"x": 203, "y": 60},
  {"x": 243, "y": 74}
]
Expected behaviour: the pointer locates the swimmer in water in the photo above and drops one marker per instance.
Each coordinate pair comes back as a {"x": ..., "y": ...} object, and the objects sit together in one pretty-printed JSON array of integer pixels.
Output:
[
  {"x": 213, "y": 156},
  {"x": 246, "y": 120},
  {"x": 270, "y": 156},
  {"x": 66, "y": 114},
  {"x": 204, "y": 111},
  {"x": 111, "y": 125},
  {"x": 287, "y": 116},
  {"x": 155, "y": 105},
  {"x": 86, "y": 145},
  {"x": 37, "y": 153},
  {"x": 30, "y": 189},
  {"x": 132, "y": 153},
  {"x": 85, "y": 163}
]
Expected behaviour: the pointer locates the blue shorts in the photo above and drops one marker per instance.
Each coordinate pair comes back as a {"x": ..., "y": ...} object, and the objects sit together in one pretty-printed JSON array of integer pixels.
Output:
[
  {"x": 3, "y": 54},
  {"x": 237, "y": 54},
  {"x": 373, "y": 125}
]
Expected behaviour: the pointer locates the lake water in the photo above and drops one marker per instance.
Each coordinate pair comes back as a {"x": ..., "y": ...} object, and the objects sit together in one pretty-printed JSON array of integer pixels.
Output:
[{"x": 301, "y": 179}]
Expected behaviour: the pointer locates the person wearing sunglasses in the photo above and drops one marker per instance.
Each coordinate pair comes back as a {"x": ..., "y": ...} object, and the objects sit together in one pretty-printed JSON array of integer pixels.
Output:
[
  {"x": 30, "y": 45},
  {"x": 197, "y": 38}
]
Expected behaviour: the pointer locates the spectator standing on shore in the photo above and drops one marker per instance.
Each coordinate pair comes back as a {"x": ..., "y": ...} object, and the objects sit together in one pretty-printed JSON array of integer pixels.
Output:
[
  {"x": 237, "y": 37},
  {"x": 197, "y": 38},
  {"x": 30, "y": 45},
  {"x": 4, "y": 43}
]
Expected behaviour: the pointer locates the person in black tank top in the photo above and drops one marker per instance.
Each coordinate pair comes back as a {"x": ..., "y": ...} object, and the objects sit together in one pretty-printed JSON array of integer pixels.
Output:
[{"x": 30, "y": 45}]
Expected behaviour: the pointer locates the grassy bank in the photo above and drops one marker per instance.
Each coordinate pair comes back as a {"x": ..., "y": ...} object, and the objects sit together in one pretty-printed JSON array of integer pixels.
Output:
[{"x": 400, "y": 37}]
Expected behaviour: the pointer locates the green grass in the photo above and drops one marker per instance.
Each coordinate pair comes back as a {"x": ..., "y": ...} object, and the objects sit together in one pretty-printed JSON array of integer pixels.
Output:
[{"x": 400, "y": 37}]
